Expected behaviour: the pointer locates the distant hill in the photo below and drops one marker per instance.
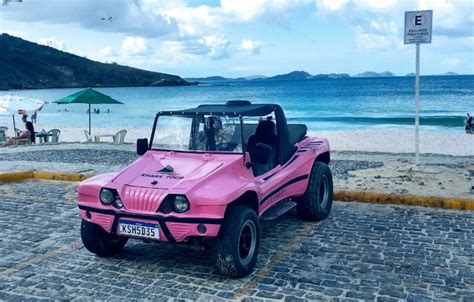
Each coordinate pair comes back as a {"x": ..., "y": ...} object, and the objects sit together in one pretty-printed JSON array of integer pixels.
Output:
[
  {"x": 291, "y": 76},
  {"x": 303, "y": 75},
  {"x": 27, "y": 65},
  {"x": 219, "y": 78},
  {"x": 331, "y": 76},
  {"x": 373, "y": 74},
  {"x": 294, "y": 75},
  {"x": 450, "y": 73},
  {"x": 255, "y": 77},
  {"x": 209, "y": 79}
]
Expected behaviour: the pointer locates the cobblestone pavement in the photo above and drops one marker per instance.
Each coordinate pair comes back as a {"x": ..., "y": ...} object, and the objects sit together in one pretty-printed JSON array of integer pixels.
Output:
[{"x": 361, "y": 252}]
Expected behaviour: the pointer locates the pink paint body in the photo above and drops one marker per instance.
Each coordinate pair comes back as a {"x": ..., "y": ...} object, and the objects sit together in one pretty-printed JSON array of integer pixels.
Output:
[{"x": 210, "y": 181}]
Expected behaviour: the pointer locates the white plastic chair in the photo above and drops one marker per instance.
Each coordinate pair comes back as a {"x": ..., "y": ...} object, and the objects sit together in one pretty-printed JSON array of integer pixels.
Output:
[
  {"x": 3, "y": 135},
  {"x": 88, "y": 136},
  {"x": 119, "y": 137},
  {"x": 54, "y": 133}
]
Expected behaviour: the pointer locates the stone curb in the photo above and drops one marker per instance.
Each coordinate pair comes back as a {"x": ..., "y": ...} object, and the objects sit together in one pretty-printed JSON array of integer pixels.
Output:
[
  {"x": 348, "y": 196},
  {"x": 45, "y": 175},
  {"x": 16, "y": 176},
  {"x": 412, "y": 200}
]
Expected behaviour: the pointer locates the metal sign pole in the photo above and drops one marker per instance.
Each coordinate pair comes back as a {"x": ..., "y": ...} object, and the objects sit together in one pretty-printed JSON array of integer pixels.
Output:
[
  {"x": 417, "y": 105},
  {"x": 418, "y": 28}
]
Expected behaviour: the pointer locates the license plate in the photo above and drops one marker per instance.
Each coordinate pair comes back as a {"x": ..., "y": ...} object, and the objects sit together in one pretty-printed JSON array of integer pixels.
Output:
[{"x": 139, "y": 229}]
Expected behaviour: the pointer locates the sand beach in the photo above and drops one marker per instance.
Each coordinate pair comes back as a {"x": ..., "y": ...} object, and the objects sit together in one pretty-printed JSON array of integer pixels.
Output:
[{"x": 388, "y": 140}]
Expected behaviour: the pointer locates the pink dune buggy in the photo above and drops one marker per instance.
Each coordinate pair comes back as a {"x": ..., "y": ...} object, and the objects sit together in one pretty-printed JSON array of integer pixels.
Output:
[{"x": 207, "y": 176}]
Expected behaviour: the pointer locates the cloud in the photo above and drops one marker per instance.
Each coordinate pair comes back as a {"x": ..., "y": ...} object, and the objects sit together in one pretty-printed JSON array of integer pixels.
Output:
[
  {"x": 191, "y": 21},
  {"x": 106, "y": 15},
  {"x": 451, "y": 18},
  {"x": 108, "y": 51},
  {"x": 53, "y": 42},
  {"x": 378, "y": 25},
  {"x": 373, "y": 41},
  {"x": 214, "y": 47},
  {"x": 246, "y": 10},
  {"x": 250, "y": 46},
  {"x": 135, "y": 46},
  {"x": 377, "y": 6},
  {"x": 331, "y": 5},
  {"x": 451, "y": 62}
]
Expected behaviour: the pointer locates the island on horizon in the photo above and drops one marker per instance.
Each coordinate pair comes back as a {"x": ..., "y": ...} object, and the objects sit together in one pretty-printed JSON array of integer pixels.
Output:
[{"x": 304, "y": 75}]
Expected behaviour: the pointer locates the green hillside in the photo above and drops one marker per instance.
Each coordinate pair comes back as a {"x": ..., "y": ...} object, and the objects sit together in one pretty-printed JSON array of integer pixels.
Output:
[{"x": 27, "y": 65}]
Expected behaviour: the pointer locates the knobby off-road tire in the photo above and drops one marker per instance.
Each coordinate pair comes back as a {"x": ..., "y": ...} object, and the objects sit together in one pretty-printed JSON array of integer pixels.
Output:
[
  {"x": 236, "y": 246},
  {"x": 99, "y": 242},
  {"x": 316, "y": 202}
]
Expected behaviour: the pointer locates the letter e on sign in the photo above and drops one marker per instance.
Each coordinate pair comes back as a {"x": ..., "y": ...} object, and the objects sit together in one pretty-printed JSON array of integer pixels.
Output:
[
  {"x": 418, "y": 20},
  {"x": 418, "y": 26}
]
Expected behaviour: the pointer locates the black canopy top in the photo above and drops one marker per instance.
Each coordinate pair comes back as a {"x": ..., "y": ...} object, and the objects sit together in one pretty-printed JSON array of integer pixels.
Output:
[{"x": 231, "y": 108}]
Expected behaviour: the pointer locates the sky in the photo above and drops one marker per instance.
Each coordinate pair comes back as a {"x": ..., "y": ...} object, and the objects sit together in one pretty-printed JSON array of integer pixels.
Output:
[{"x": 233, "y": 38}]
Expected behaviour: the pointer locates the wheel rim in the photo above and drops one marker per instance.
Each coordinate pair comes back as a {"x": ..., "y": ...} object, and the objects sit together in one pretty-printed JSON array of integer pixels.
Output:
[
  {"x": 247, "y": 242},
  {"x": 323, "y": 191}
]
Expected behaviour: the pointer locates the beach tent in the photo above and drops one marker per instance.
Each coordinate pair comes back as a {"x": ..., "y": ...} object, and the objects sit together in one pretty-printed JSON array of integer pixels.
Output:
[
  {"x": 88, "y": 96},
  {"x": 15, "y": 104}
]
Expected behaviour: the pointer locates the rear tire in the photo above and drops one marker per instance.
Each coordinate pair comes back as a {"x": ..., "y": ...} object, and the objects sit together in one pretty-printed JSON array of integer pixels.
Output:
[
  {"x": 99, "y": 242},
  {"x": 316, "y": 202},
  {"x": 236, "y": 246}
]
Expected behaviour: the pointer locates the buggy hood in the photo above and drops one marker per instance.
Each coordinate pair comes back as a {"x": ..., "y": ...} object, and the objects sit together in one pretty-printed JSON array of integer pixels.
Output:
[{"x": 177, "y": 170}]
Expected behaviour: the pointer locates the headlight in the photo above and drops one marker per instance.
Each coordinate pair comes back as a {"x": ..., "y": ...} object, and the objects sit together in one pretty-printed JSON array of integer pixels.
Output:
[
  {"x": 107, "y": 196},
  {"x": 174, "y": 203},
  {"x": 118, "y": 203},
  {"x": 180, "y": 204}
]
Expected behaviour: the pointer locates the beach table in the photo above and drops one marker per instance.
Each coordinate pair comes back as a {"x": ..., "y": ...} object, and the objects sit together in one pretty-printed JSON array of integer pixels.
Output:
[
  {"x": 43, "y": 137},
  {"x": 98, "y": 137}
]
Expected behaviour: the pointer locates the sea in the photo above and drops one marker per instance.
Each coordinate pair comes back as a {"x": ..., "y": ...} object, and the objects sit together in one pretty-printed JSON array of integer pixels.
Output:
[{"x": 322, "y": 104}]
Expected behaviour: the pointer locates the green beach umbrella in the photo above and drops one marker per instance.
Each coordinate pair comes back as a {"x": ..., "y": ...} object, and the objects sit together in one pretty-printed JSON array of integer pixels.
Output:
[{"x": 88, "y": 96}]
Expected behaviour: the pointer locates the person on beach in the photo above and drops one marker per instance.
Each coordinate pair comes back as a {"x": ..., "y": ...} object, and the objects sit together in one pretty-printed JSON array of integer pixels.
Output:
[
  {"x": 469, "y": 123},
  {"x": 34, "y": 116},
  {"x": 22, "y": 139}
]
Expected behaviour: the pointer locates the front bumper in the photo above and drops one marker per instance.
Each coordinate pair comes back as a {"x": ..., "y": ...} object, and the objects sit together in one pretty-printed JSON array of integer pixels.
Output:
[{"x": 172, "y": 229}]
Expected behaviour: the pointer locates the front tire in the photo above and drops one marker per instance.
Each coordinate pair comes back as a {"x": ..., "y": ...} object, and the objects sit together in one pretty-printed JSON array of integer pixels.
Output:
[
  {"x": 99, "y": 242},
  {"x": 236, "y": 246},
  {"x": 316, "y": 202}
]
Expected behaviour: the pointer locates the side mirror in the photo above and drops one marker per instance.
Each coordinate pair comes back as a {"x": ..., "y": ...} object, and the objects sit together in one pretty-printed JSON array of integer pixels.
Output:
[
  {"x": 262, "y": 154},
  {"x": 142, "y": 146}
]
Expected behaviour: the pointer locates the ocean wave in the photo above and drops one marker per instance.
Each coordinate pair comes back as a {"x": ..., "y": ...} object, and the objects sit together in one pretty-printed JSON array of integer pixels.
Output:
[{"x": 442, "y": 121}]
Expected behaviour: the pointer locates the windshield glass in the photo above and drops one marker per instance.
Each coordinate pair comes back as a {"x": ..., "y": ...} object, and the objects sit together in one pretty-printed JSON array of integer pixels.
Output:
[{"x": 198, "y": 133}]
